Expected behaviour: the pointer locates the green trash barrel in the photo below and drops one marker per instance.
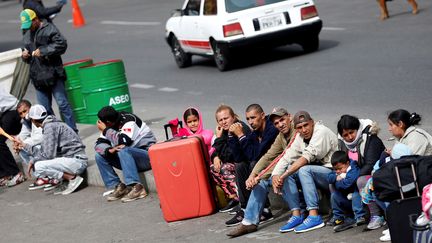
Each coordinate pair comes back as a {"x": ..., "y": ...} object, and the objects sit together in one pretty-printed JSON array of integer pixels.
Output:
[
  {"x": 73, "y": 88},
  {"x": 104, "y": 84}
]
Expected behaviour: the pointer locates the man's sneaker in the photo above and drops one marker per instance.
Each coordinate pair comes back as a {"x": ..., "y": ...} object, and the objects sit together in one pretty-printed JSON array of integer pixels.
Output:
[
  {"x": 61, "y": 188},
  {"x": 138, "y": 191},
  {"x": 386, "y": 236},
  {"x": 375, "y": 222},
  {"x": 293, "y": 222},
  {"x": 235, "y": 210},
  {"x": 360, "y": 221},
  {"x": 53, "y": 183},
  {"x": 230, "y": 206},
  {"x": 120, "y": 191},
  {"x": 266, "y": 216},
  {"x": 310, "y": 223},
  {"x": 73, "y": 185},
  {"x": 347, "y": 224},
  {"x": 17, "y": 179},
  {"x": 334, "y": 221},
  {"x": 242, "y": 230},
  {"x": 39, "y": 183},
  {"x": 236, "y": 219}
]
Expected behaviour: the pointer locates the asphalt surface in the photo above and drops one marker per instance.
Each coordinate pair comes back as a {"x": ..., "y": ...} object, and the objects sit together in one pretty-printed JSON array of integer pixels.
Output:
[{"x": 364, "y": 67}]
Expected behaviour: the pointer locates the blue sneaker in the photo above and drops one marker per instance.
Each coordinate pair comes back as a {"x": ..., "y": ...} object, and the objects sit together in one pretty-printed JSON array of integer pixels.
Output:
[
  {"x": 310, "y": 223},
  {"x": 291, "y": 224}
]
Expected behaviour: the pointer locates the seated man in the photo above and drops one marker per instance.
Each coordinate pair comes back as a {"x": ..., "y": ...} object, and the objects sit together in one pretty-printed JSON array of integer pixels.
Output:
[
  {"x": 30, "y": 134},
  {"x": 10, "y": 174},
  {"x": 259, "y": 180},
  {"x": 306, "y": 162},
  {"x": 61, "y": 155},
  {"x": 247, "y": 150},
  {"x": 124, "y": 145}
]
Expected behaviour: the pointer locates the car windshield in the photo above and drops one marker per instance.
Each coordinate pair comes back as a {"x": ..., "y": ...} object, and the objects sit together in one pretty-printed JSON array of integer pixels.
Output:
[{"x": 238, "y": 5}]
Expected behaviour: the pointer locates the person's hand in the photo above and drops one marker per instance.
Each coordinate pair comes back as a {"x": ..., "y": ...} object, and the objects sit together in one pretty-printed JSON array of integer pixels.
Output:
[
  {"x": 30, "y": 168},
  {"x": 36, "y": 53},
  {"x": 25, "y": 54},
  {"x": 217, "y": 164},
  {"x": 219, "y": 131},
  {"x": 252, "y": 181},
  {"x": 115, "y": 149},
  {"x": 100, "y": 125},
  {"x": 277, "y": 184},
  {"x": 17, "y": 145},
  {"x": 338, "y": 178},
  {"x": 236, "y": 129}
]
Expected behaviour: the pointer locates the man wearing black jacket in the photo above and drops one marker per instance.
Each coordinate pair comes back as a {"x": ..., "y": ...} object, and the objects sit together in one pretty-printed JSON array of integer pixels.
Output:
[
  {"x": 250, "y": 147},
  {"x": 43, "y": 47},
  {"x": 44, "y": 13}
]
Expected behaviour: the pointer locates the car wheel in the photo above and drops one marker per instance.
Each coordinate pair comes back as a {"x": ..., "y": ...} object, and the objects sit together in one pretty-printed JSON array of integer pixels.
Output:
[
  {"x": 221, "y": 57},
  {"x": 182, "y": 58},
  {"x": 310, "y": 44}
]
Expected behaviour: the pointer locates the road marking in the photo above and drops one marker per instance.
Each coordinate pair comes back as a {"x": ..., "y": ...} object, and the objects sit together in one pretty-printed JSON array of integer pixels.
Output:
[
  {"x": 142, "y": 86},
  {"x": 10, "y": 21},
  {"x": 109, "y": 22},
  {"x": 333, "y": 28},
  {"x": 168, "y": 89}
]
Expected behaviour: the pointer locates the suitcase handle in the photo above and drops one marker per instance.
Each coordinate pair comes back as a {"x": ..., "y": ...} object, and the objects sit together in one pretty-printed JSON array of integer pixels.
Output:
[
  {"x": 414, "y": 226},
  {"x": 166, "y": 126},
  {"x": 410, "y": 186}
]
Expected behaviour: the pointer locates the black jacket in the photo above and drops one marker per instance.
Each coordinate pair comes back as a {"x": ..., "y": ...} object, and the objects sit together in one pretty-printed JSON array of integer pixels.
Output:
[
  {"x": 222, "y": 149},
  {"x": 51, "y": 43},
  {"x": 41, "y": 11},
  {"x": 372, "y": 150}
]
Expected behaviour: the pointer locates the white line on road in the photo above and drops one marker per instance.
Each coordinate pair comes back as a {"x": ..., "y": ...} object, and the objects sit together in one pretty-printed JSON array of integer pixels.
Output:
[
  {"x": 142, "y": 86},
  {"x": 168, "y": 89},
  {"x": 109, "y": 22},
  {"x": 333, "y": 28},
  {"x": 10, "y": 22}
]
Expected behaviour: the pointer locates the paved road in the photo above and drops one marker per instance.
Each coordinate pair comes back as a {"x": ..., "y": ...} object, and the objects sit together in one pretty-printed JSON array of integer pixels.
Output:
[{"x": 364, "y": 66}]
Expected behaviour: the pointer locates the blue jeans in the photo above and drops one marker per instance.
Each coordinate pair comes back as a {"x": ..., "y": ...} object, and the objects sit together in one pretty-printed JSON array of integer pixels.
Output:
[
  {"x": 129, "y": 160},
  {"x": 341, "y": 204},
  {"x": 44, "y": 97},
  {"x": 309, "y": 177}
]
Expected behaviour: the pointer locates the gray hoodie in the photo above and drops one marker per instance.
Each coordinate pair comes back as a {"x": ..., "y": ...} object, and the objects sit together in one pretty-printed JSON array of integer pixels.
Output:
[{"x": 59, "y": 140}]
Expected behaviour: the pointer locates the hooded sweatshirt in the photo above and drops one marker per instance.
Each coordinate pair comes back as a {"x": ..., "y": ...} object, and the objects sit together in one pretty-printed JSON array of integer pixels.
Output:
[
  {"x": 367, "y": 145},
  {"x": 207, "y": 134},
  {"x": 59, "y": 140}
]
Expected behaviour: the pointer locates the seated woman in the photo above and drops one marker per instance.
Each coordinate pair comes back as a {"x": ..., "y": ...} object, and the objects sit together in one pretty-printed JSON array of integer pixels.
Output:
[
  {"x": 358, "y": 137},
  {"x": 402, "y": 125}
]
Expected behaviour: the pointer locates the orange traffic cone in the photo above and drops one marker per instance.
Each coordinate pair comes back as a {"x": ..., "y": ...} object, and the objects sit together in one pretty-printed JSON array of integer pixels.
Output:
[{"x": 78, "y": 19}]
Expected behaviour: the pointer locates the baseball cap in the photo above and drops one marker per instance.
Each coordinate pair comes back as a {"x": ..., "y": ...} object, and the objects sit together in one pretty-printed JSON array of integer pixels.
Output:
[
  {"x": 38, "y": 112},
  {"x": 301, "y": 116},
  {"x": 278, "y": 111},
  {"x": 27, "y": 15}
]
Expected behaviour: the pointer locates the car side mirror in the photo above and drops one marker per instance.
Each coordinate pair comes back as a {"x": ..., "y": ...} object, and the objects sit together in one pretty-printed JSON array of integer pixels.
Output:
[{"x": 177, "y": 12}]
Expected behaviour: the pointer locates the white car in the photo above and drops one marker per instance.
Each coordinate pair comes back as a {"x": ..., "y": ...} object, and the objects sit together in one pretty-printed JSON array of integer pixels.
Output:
[{"x": 216, "y": 28}]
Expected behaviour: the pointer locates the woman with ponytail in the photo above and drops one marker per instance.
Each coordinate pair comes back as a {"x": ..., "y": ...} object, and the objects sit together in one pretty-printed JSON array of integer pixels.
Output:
[{"x": 402, "y": 125}]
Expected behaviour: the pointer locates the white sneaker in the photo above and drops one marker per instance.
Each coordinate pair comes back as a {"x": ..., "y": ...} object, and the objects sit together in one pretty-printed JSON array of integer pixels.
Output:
[
  {"x": 387, "y": 231},
  {"x": 385, "y": 237},
  {"x": 73, "y": 185}
]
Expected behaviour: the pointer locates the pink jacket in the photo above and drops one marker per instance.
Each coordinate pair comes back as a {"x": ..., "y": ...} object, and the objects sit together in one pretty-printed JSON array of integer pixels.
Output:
[{"x": 207, "y": 134}]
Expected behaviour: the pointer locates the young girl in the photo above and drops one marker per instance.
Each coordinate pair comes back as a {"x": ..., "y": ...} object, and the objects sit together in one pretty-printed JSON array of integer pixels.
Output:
[
  {"x": 402, "y": 125},
  {"x": 193, "y": 125}
]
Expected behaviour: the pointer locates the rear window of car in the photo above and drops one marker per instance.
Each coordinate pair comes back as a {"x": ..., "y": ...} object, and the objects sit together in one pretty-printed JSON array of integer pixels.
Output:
[{"x": 238, "y": 5}]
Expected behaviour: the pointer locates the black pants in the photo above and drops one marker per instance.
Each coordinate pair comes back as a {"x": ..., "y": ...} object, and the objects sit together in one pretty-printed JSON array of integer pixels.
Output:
[
  {"x": 11, "y": 123},
  {"x": 243, "y": 171}
]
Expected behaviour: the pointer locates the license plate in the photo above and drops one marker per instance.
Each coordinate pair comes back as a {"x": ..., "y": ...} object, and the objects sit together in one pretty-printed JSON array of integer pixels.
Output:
[{"x": 270, "y": 22}]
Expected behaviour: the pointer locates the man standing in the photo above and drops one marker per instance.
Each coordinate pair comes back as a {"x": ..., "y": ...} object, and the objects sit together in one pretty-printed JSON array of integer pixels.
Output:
[
  {"x": 259, "y": 180},
  {"x": 43, "y": 47},
  {"x": 306, "y": 162},
  {"x": 10, "y": 122},
  {"x": 123, "y": 145},
  {"x": 247, "y": 150},
  {"x": 44, "y": 13},
  {"x": 61, "y": 155}
]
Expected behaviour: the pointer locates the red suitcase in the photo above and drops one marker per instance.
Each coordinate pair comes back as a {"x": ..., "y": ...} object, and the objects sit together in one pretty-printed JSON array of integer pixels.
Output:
[{"x": 180, "y": 169}]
